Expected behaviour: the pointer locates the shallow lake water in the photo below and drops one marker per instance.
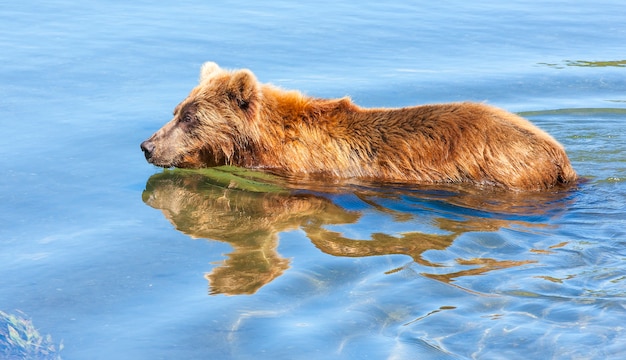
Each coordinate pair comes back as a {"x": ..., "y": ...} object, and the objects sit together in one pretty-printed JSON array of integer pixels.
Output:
[{"x": 113, "y": 258}]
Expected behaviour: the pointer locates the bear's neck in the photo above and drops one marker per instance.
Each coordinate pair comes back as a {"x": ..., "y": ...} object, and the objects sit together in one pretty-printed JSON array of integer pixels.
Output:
[{"x": 299, "y": 132}]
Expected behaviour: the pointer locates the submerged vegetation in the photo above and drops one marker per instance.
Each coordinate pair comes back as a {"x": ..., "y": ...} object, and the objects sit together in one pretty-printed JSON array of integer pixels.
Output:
[
  {"x": 20, "y": 340},
  {"x": 585, "y": 63}
]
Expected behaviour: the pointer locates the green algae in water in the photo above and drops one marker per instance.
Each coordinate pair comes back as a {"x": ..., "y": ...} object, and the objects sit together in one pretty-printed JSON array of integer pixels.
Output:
[
  {"x": 585, "y": 63},
  {"x": 236, "y": 178},
  {"x": 574, "y": 112}
]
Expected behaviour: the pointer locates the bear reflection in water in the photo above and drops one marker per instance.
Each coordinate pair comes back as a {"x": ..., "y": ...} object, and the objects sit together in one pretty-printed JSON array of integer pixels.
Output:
[
  {"x": 202, "y": 206},
  {"x": 249, "y": 221}
]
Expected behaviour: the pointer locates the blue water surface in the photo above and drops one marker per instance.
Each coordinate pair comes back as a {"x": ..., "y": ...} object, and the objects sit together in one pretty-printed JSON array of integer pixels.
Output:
[{"x": 116, "y": 259}]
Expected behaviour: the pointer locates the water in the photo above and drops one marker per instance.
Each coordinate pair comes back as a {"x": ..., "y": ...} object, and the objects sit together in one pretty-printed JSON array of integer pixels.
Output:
[{"x": 299, "y": 270}]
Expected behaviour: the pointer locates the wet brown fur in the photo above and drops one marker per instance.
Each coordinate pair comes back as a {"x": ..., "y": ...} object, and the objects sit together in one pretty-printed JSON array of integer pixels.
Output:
[{"x": 230, "y": 118}]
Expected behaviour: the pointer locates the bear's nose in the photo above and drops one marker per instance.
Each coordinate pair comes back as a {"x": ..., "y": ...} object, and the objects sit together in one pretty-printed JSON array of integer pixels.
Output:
[{"x": 148, "y": 148}]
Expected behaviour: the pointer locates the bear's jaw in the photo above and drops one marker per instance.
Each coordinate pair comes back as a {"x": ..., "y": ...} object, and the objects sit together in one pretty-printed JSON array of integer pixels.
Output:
[{"x": 197, "y": 159}]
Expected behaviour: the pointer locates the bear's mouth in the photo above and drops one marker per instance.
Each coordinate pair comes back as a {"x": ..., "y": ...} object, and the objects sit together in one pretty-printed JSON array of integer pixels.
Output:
[
  {"x": 157, "y": 161},
  {"x": 163, "y": 164},
  {"x": 194, "y": 159}
]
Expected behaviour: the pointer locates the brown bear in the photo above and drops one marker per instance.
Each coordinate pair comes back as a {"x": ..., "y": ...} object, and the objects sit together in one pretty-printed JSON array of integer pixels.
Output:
[{"x": 232, "y": 119}]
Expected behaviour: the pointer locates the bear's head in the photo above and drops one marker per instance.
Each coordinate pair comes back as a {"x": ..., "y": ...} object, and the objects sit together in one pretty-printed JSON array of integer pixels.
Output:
[{"x": 214, "y": 124}]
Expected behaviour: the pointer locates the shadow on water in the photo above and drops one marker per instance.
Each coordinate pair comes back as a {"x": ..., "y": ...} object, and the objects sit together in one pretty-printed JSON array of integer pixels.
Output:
[{"x": 248, "y": 210}]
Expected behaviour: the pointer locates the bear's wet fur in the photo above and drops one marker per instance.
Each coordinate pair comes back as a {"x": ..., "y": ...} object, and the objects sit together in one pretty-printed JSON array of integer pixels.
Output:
[{"x": 232, "y": 119}]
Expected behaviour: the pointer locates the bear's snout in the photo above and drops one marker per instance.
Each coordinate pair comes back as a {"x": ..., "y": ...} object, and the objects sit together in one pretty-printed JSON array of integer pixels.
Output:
[{"x": 148, "y": 148}]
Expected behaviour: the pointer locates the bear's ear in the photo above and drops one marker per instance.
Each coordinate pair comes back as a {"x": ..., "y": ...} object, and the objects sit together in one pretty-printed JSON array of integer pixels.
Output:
[
  {"x": 208, "y": 69},
  {"x": 243, "y": 89}
]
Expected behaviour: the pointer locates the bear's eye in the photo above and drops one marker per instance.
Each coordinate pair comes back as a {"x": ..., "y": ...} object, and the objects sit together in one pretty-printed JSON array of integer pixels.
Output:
[
  {"x": 187, "y": 118},
  {"x": 187, "y": 115}
]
